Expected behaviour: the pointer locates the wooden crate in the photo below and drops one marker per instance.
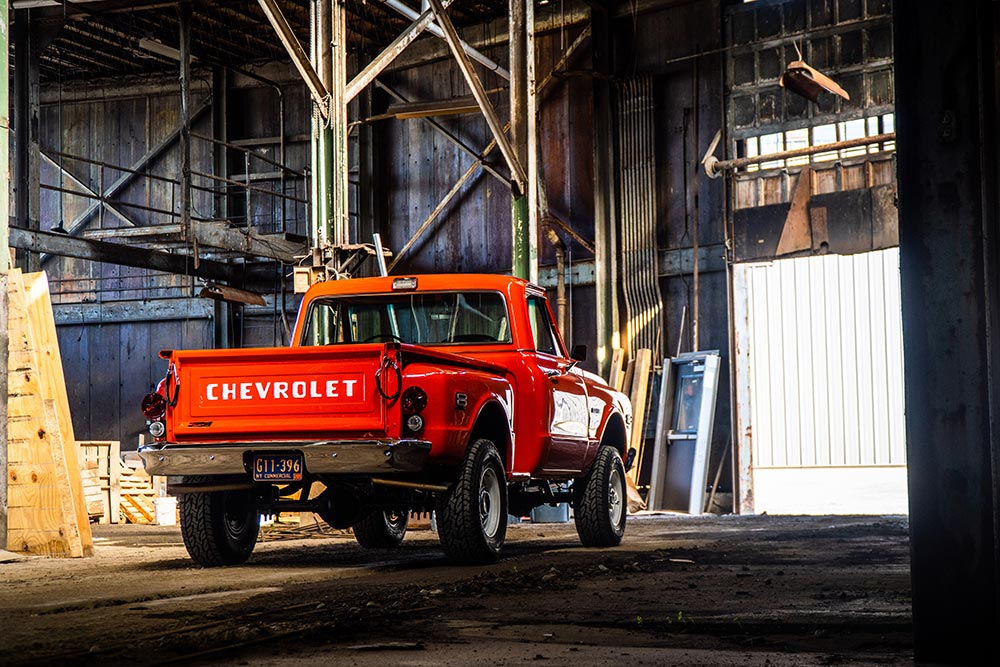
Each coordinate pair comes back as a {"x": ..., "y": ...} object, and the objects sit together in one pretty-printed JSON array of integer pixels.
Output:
[{"x": 96, "y": 456}]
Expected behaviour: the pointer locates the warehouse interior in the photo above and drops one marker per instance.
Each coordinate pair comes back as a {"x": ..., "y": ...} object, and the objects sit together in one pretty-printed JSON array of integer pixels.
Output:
[{"x": 765, "y": 180}]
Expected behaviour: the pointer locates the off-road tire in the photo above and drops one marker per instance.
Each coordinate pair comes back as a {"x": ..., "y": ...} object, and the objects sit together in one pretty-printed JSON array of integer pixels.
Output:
[
  {"x": 381, "y": 529},
  {"x": 472, "y": 516},
  {"x": 600, "y": 503},
  {"x": 219, "y": 527}
]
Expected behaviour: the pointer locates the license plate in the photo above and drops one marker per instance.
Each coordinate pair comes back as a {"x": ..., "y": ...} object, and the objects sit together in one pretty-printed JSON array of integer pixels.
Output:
[{"x": 277, "y": 467}]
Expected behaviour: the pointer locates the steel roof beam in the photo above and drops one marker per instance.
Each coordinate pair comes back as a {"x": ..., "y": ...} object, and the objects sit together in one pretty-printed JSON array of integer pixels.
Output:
[
  {"x": 518, "y": 175},
  {"x": 298, "y": 55}
]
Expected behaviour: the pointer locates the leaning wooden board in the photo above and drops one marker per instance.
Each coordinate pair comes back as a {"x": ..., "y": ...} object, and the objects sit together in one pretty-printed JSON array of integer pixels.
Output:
[{"x": 46, "y": 509}]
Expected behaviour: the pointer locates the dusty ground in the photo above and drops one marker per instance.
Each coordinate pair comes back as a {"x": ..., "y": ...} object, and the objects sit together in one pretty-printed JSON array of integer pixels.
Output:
[{"x": 711, "y": 591}]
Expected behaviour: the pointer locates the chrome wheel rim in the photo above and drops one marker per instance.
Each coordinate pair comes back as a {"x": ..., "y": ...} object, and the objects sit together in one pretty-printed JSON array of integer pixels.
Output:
[
  {"x": 615, "y": 500},
  {"x": 489, "y": 502}
]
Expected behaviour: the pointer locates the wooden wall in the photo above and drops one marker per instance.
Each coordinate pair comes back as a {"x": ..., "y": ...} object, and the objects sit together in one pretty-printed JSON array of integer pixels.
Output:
[{"x": 110, "y": 366}]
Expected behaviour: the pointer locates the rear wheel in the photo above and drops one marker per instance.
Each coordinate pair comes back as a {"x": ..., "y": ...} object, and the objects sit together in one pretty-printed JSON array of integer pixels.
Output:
[
  {"x": 381, "y": 529},
  {"x": 599, "y": 501},
  {"x": 219, "y": 527},
  {"x": 472, "y": 516}
]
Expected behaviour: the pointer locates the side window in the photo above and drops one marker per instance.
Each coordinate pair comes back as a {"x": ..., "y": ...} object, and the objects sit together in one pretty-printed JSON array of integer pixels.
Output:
[{"x": 541, "y": 326}]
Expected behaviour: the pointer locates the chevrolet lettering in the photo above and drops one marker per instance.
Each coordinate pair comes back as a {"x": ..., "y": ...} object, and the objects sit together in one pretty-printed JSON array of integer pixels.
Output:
[
  {"x": 248, "y": 391},
  {"x": 447, "y": 393}
]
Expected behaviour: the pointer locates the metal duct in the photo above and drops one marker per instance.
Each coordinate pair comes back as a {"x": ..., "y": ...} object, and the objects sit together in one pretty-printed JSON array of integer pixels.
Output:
[{"x": 637, "y": 176}]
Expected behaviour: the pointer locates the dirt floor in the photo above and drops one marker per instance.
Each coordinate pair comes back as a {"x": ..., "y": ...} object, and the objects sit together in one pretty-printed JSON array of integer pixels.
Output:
[{"x": 714, "y": 591}]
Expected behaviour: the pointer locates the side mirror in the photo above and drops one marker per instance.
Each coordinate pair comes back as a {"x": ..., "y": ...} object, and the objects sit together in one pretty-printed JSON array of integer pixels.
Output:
[{"x": 579, "y": 353}]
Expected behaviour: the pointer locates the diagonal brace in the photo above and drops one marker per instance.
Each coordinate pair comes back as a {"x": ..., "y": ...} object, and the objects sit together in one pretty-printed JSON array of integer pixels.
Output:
[
  {"x": 455, "y": 189},
  {"x": 390, "y": 53},
  {"x": 101, "y": 200},
  {"x": 133, "y": 172},
  {"x": 518, "y": 174},
  {"x": 297, "y": 53}
]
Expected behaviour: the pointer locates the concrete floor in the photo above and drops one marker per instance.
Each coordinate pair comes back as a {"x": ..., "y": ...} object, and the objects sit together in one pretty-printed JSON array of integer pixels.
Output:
[{"x": 745, "y": 591}]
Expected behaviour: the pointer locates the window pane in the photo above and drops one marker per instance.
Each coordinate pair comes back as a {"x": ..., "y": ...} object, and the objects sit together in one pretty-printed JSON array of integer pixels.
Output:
[{"x": 541, "y": 327}]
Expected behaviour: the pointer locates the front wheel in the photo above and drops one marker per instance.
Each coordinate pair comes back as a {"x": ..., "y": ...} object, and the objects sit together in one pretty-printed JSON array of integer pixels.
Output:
[
  {"x": 381, "y": 529},
  {"x": 219, "y": 527},
  {"x": 472, "y": 516},
  {"x": 599, "y": 501}
]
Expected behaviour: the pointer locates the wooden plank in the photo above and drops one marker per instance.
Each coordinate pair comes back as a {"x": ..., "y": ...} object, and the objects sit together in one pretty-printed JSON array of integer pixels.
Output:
[
  {"x": 615, "y": 376},
  {"x": 76, "y": 523},
  {"x": 138, "y": 509},
  {"x": 638, "y": 392},
  {"x": 105, "y": 380},
  {"x": 53, "y": 387},
  {"x": 627, "y": 377},
  {"x": 114, "y": 480},
  {"x": 39, "y": 493}
]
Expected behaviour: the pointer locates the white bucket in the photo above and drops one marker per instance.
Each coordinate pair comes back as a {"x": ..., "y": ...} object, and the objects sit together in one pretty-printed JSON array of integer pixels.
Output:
[{"x": 165, "y": 511}]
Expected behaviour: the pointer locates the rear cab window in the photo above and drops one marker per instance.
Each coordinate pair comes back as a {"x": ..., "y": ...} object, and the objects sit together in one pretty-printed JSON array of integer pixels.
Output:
[{"x": 422, "y": 318}]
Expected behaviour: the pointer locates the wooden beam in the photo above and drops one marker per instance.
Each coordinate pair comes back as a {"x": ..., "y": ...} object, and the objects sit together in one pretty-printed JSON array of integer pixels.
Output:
[
  {"x": 114, "y": 253},
  {"x": 159, "y": 310},
  {"x": 249, "y": 242}
]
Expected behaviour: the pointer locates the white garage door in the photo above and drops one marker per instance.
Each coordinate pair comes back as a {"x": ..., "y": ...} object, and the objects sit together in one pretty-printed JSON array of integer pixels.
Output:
[{"x": 821, "y": 383}]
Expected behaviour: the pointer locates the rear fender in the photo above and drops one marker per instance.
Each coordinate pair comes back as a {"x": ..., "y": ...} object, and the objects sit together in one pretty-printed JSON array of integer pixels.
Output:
[{"x": 493, "y": 421}]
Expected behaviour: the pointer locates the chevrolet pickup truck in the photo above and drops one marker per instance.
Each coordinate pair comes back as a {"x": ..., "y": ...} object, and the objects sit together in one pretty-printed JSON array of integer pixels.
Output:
[{"x": 445, "y": 393}]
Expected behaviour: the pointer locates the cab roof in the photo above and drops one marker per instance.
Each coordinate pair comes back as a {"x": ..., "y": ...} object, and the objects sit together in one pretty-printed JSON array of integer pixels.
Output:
[{"x": 429, "y": 282}]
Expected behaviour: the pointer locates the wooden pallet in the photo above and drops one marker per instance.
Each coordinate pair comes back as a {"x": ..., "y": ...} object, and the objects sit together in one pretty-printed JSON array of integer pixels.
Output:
[
  {"x": 136, "y": 491},
  {"x": 96, "y": 470}
]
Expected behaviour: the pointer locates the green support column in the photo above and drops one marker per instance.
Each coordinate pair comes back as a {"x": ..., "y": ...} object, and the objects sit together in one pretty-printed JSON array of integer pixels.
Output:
[{"x": 522, "y": 241}]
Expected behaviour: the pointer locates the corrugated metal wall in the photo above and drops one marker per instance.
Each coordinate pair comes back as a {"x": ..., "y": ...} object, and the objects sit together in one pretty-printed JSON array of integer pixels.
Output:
[{"x": 824, "y": 342}]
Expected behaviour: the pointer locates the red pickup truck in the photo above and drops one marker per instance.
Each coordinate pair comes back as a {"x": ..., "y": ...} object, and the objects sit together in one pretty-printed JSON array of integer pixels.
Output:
[{"x": 451, "y": 393}]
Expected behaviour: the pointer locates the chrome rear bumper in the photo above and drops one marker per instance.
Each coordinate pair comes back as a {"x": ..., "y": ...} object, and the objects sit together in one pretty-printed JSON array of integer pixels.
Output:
[{"x": 325, "y": 456}]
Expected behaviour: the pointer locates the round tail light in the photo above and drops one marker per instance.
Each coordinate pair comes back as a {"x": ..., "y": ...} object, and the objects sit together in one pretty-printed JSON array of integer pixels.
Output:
[
  {"x": 154, "y": 406},
  {"x": 414, "y": 400}
]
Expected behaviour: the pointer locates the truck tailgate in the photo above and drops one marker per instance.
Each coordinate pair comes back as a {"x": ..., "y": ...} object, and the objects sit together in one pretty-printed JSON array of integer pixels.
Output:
[{"x": 276, "y": 394}]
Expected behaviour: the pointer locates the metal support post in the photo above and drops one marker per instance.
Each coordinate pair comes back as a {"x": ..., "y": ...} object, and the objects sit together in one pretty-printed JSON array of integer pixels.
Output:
[
  {"x": 524, "y": 206},
  {"x": 531, "y": 129},
  {"x": 27, "y": 166},
  {"x": 184, "y": 24},
  {"x": 949, "y": 251},
  {"x": 322, "y": 164},
  {"x": 340, "y": 207},
  {"x": 605, "y": 197},
  {"x": 4, "y": 263},
  {"x": 220, "y": 132}
]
